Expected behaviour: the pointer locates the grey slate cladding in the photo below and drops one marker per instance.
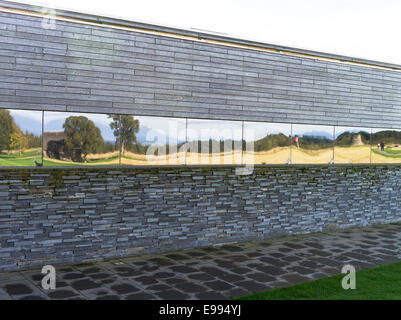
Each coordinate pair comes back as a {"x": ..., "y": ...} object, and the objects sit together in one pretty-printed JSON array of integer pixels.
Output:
[
  {"x": 74, "y": 215},
  {"x": 87, "y": 68}
]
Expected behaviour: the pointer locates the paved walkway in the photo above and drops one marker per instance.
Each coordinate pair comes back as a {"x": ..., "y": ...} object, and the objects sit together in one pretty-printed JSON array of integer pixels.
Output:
[{"x": 215, "y": 273}]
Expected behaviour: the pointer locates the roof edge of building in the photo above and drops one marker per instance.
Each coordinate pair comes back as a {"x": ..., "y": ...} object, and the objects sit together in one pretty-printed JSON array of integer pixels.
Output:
[{"x": 25, "y": 8}]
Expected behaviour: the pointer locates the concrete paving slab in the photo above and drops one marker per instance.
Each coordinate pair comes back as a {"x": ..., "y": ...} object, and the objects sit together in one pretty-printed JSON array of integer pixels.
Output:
[{"x": 214, "y": 273}]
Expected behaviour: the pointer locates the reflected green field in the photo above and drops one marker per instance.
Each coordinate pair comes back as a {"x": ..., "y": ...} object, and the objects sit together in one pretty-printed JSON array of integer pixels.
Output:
[
  {"x": 389, "y": 155},
  {"x": 49, "y": 163},
  {"x": 393, "y": 151},
  {"x": 26, "y": 159},
  {"x": 392, "y": 155},
  {"x": 95, "y": 161},
  {"x": 138, "y": 158}
]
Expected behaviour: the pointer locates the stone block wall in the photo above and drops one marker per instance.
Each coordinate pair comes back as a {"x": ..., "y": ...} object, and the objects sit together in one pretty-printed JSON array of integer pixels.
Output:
[{"x": 73, "y": 215}]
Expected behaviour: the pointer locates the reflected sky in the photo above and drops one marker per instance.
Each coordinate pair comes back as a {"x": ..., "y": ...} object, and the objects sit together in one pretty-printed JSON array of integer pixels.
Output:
[
  {"x": 259, "y": 130},
  {"x": 30, "y": 120},
  {"x": 340, "y": 130},
  {"x": 159, "y": 130},
  {"x": 313, "y": 130},
  {"x": 214, "y": 129}
]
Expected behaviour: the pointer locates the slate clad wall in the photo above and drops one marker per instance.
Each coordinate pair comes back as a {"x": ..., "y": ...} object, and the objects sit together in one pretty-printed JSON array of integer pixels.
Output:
[
  {"x": 76, "y": 215},
  {"x": 87, "y": 68}
]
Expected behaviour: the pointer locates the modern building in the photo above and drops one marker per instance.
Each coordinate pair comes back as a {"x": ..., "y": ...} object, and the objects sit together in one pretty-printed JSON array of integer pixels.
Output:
[{"x": 121, "y": 138}]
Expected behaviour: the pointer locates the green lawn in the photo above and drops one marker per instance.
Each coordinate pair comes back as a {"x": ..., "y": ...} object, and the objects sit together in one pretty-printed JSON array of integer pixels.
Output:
[{"x": 381, "y": 283}]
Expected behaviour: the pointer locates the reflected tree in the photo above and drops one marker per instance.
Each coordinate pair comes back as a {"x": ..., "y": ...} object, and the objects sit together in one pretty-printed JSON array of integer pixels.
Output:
[
  {"x": 18, "y": 141},
  {"x": 125, "y": 128},
  {"x": 387, "y": 136},
  {"x": 7, "y": 127},
  {"x": 83, "y": 137},
  {"x": 314, "y": 142}
]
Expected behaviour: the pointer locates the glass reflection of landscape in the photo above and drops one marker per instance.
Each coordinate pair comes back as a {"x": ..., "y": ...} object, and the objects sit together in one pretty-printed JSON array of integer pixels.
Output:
[
  {"x": 271, "y": 143},
  {"x": 152, "y": 140},
  {"x": 101, "y": 139},
  {"x": 214, "y": 142},
  {"x": 80, "y": 139},
  {"x": 312, "y": 144},
  {"x": 20, "y": 138},
  {"x": 386, "y": 146},
  {"x": 352, "y": 145}
]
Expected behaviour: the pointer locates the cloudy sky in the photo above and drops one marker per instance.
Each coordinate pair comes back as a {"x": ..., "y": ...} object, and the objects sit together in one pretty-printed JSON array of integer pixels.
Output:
[{"x": 360, "y": 28}]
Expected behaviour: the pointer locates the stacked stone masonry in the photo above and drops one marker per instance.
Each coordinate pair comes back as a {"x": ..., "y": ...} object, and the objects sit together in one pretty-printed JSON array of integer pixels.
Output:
[{"x": 73, "y": 215}]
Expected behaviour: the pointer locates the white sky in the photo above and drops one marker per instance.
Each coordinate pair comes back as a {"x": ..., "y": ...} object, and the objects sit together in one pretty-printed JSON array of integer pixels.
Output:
[{"x": 359, "y": 28}]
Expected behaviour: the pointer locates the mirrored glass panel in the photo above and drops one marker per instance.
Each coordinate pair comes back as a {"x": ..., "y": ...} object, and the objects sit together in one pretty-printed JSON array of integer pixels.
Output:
[
  {"x": 312, "y": 144},
  {"x": 386, "y": 146},
  {"x": 214, "y": 142},
  {"x": 267, "y": 143},
  {"x": 20, "y": 138},
  {"x": 80, "y": 139},
  {"x": 152, "y": 140},
  {"x": 352, "y": 145}
]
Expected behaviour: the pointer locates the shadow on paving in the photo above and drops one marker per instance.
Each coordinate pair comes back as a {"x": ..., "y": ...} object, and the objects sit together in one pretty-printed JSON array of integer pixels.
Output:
[{"x": 215, "y": 272}]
